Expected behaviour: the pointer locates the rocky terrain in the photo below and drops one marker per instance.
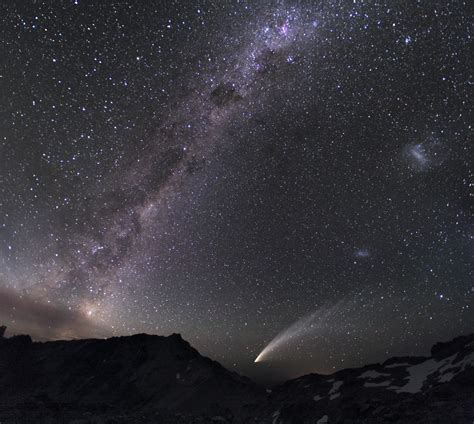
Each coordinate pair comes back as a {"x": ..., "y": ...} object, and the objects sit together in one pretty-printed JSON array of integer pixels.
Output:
[
  {"x": 439, "y": 389},
  {"x": 153, "y": 379}
]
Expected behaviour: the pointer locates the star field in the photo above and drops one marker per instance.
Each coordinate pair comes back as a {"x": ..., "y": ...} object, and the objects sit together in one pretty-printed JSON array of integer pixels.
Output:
[{"x": 226, "y": 170}]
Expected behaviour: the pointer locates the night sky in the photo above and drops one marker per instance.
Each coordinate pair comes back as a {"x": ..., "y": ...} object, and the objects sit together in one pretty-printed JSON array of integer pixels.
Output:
[{"x": 238, "y": 172}]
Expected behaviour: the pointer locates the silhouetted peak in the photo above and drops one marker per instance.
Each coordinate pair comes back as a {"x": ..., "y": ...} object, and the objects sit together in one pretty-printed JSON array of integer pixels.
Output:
[
  {"x": 443, "y": 349},
  {"x": 176, "y": 336}
]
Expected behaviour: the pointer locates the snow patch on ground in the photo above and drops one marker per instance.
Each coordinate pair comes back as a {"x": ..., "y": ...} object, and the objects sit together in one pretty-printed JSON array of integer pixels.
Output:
[
  {"x": 373, "y": 374},
  {"x": 419, "y": 373},
  {"x": 324, "y": 419},
  {"x": 446, "y": 377},
  {"x": 317, "y": 398},
  {"x": 335, "y": 387},
  {"x": 417, "y": 376},
  {"x": 460, "y": 366}
]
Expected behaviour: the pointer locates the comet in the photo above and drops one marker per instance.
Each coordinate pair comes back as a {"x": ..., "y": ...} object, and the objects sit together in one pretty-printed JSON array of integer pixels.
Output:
[{"x": 315, "y": 324}]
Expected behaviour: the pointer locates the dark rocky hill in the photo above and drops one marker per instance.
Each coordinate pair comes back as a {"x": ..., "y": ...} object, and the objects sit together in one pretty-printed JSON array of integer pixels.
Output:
[
  {"x": 153, "y": 379},
  {"x": 123, "y": 376},
  {"x": 439, "y": 389}
]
